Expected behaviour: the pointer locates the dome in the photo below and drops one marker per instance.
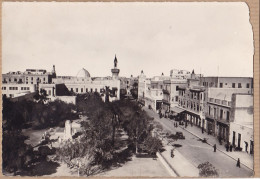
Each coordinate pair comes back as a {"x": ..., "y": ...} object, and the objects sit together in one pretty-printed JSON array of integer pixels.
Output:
[{"x": 83, "y": 73}]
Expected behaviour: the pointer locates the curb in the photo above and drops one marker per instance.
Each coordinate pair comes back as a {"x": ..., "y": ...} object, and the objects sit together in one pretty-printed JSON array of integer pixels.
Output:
[
  {"x": 166, "y": 164},
  {"x": 217, "y": 149}
]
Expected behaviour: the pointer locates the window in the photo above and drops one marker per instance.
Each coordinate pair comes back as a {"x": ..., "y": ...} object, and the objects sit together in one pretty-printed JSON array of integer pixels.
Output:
[
  {"x": 15, "y": 79},
  {"x": 77, "y": 90},
  {"x": 91, "y": 90},
  {"x": 43, "y": 79},
  {"x": 215, "y": 110},
  {"x": 221, "y": 85},
  {"x": 176, "y": 98},
  {"x": 49, "y": 92},
  {"x": 31, "y": 78},
  {"x": 81, "y": 90},
  {"x": 95, "y": 89},
  {"x": 239, "y": 85},
  {"x": 71, "y": 89},
  {"x": 228, "y": 116},
  {"x": 86, "y": 89},
  {"x": 100, "y": 90},
  {"x": 247, "y": 85},
  {"x": 221, "y": 114},
  {"x": 161, "y": 86},
  {"x": 21, "y": 88},
  {"x": 233, "y": 85}
]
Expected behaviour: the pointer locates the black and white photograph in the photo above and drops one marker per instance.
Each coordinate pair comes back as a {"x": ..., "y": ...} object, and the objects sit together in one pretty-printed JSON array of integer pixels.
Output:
[{"x": 127, "y": 89}]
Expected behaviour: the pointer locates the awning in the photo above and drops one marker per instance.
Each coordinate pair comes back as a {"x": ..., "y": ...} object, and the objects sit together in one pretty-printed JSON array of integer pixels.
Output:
[{"x": 177, "y": 110}]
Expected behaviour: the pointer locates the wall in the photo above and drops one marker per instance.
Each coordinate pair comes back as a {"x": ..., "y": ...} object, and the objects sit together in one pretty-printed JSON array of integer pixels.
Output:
[
  {"x": 66, "y": 99},
  {"x": 243, "y": 112},
  {"x": 245, "y": 131},
  {"x": 14, "y": 89}
]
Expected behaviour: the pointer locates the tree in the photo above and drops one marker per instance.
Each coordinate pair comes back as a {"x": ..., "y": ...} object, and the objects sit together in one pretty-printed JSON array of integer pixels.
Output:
[
  {"x": 16, "y": 154},
  {"x": 152, "y": 145},
  {"x": 206, "y": 169},
  {"x": 41, "y": 96}
]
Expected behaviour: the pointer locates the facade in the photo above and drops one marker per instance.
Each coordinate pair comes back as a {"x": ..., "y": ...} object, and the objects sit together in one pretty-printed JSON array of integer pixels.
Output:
[
  {"x": 170, "y": 92},
  {"x": 150, "y": 91},
  {"x": 18, "y": 83},
  {"x": 30, "y": 76},
  {"x": 219, "y": 91},
  {"x": 241, "y": 125},
  {"x": 228, "y": 82},
  {"x": 192, "y": 101},
  {"x": 83, "y": 83},
  {"x": 12, "y": 90}
]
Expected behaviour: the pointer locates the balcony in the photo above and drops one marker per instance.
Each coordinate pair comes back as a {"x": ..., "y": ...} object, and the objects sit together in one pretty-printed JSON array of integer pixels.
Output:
[
  {"x": 220, "y": 102},
  {"x": 166, "y": 91}
]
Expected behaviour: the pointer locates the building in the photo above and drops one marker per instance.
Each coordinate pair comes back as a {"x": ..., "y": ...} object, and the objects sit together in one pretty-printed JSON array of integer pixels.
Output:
[
  {"x": 192, "y": 101},
  {"x": 228, "y": 82},
  {"x": 18, "y": 83},
  {"x": 150, "y": 91},
  {"x": 171, "y": 94},
  {"x": 12, "y": 90},
  {"x": 241, "y": 125},
  {"x": 30, "y": 76},
  {"x": 83, "y": 83},
  {"x": 219, "y": 91}
]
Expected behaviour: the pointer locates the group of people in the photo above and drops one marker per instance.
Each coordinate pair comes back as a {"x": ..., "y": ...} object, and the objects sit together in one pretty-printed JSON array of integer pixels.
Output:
[{"x": 229, "y": 147}]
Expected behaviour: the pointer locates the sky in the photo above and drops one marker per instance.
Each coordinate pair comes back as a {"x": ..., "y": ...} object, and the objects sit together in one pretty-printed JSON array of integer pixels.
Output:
[{"x": 214, "y": 39}]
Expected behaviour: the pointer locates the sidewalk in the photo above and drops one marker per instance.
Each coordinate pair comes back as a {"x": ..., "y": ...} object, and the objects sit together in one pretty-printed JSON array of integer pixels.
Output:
[
  {"x": 181, "y": 166},
  {"x": 245, "y": 158}
]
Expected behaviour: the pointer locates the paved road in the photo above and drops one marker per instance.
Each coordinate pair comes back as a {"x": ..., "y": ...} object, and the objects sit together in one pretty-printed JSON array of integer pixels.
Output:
[{"x": 197, "y": 152}]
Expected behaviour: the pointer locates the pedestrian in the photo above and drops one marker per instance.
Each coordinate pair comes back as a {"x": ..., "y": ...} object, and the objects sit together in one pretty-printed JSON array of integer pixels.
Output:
[
  {"x": 227, "y": 147},
  {"x": 238, "y": 163},
  {"x": 202, "y": 130},
  {"x": 215, "y": 147},
  {"x": 172, "y": 155},
  {"x": 246, "y": 147},
  {"x": 230, "y": 148}
]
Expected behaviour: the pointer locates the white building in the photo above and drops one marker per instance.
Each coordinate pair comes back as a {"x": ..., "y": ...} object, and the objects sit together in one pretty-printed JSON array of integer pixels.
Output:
[{"x": 241, "y": 127}]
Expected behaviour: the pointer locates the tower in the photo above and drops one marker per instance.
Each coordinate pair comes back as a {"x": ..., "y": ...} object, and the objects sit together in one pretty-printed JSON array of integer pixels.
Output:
[{"x": 115, "y": 71}]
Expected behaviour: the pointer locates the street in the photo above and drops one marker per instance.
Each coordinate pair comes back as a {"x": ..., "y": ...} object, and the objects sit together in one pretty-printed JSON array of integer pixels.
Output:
[{"x": 197, "y": 152}]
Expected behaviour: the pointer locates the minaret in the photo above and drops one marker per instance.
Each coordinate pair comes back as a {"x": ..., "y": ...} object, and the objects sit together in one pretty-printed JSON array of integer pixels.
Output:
[{"x": 115, "y": 71}]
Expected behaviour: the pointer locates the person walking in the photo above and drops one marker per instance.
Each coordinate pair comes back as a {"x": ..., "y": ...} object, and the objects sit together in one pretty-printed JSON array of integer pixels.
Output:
[
  {"x": 238, "y": 163},
  {"x": 215, "y": 147}
]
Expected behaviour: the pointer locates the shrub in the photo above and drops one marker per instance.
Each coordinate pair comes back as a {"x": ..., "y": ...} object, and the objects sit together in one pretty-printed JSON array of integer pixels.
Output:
[{"x": 206, "y": 169}]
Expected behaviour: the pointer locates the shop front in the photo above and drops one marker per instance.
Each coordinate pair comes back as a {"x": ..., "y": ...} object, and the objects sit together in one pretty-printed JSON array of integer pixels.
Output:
[
  {"x": 177, "y": 114},
  {"x": 223, "y": 131},
  {"x": 210, "y": 126}
]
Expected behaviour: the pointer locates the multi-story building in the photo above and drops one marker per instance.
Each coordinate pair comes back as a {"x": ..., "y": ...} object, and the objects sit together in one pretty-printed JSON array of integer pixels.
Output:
[
  {"x": 30, "y": 76},
  {"x": 83, "y": 83},
  {"x": 241, "y": 125},
  {"x": 192, "y": 101},
  {"x": 171, "y": 94},
  {"x": 219, "y": 91},
  {"x": 228, "y": 82},
  {"x": 18, "y": 83},
  {"x": 12, "y": 90}
]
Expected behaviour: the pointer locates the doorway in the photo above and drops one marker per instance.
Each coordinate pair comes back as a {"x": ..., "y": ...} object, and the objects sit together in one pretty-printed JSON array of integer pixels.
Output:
[{"x": 239, "y": 140}]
